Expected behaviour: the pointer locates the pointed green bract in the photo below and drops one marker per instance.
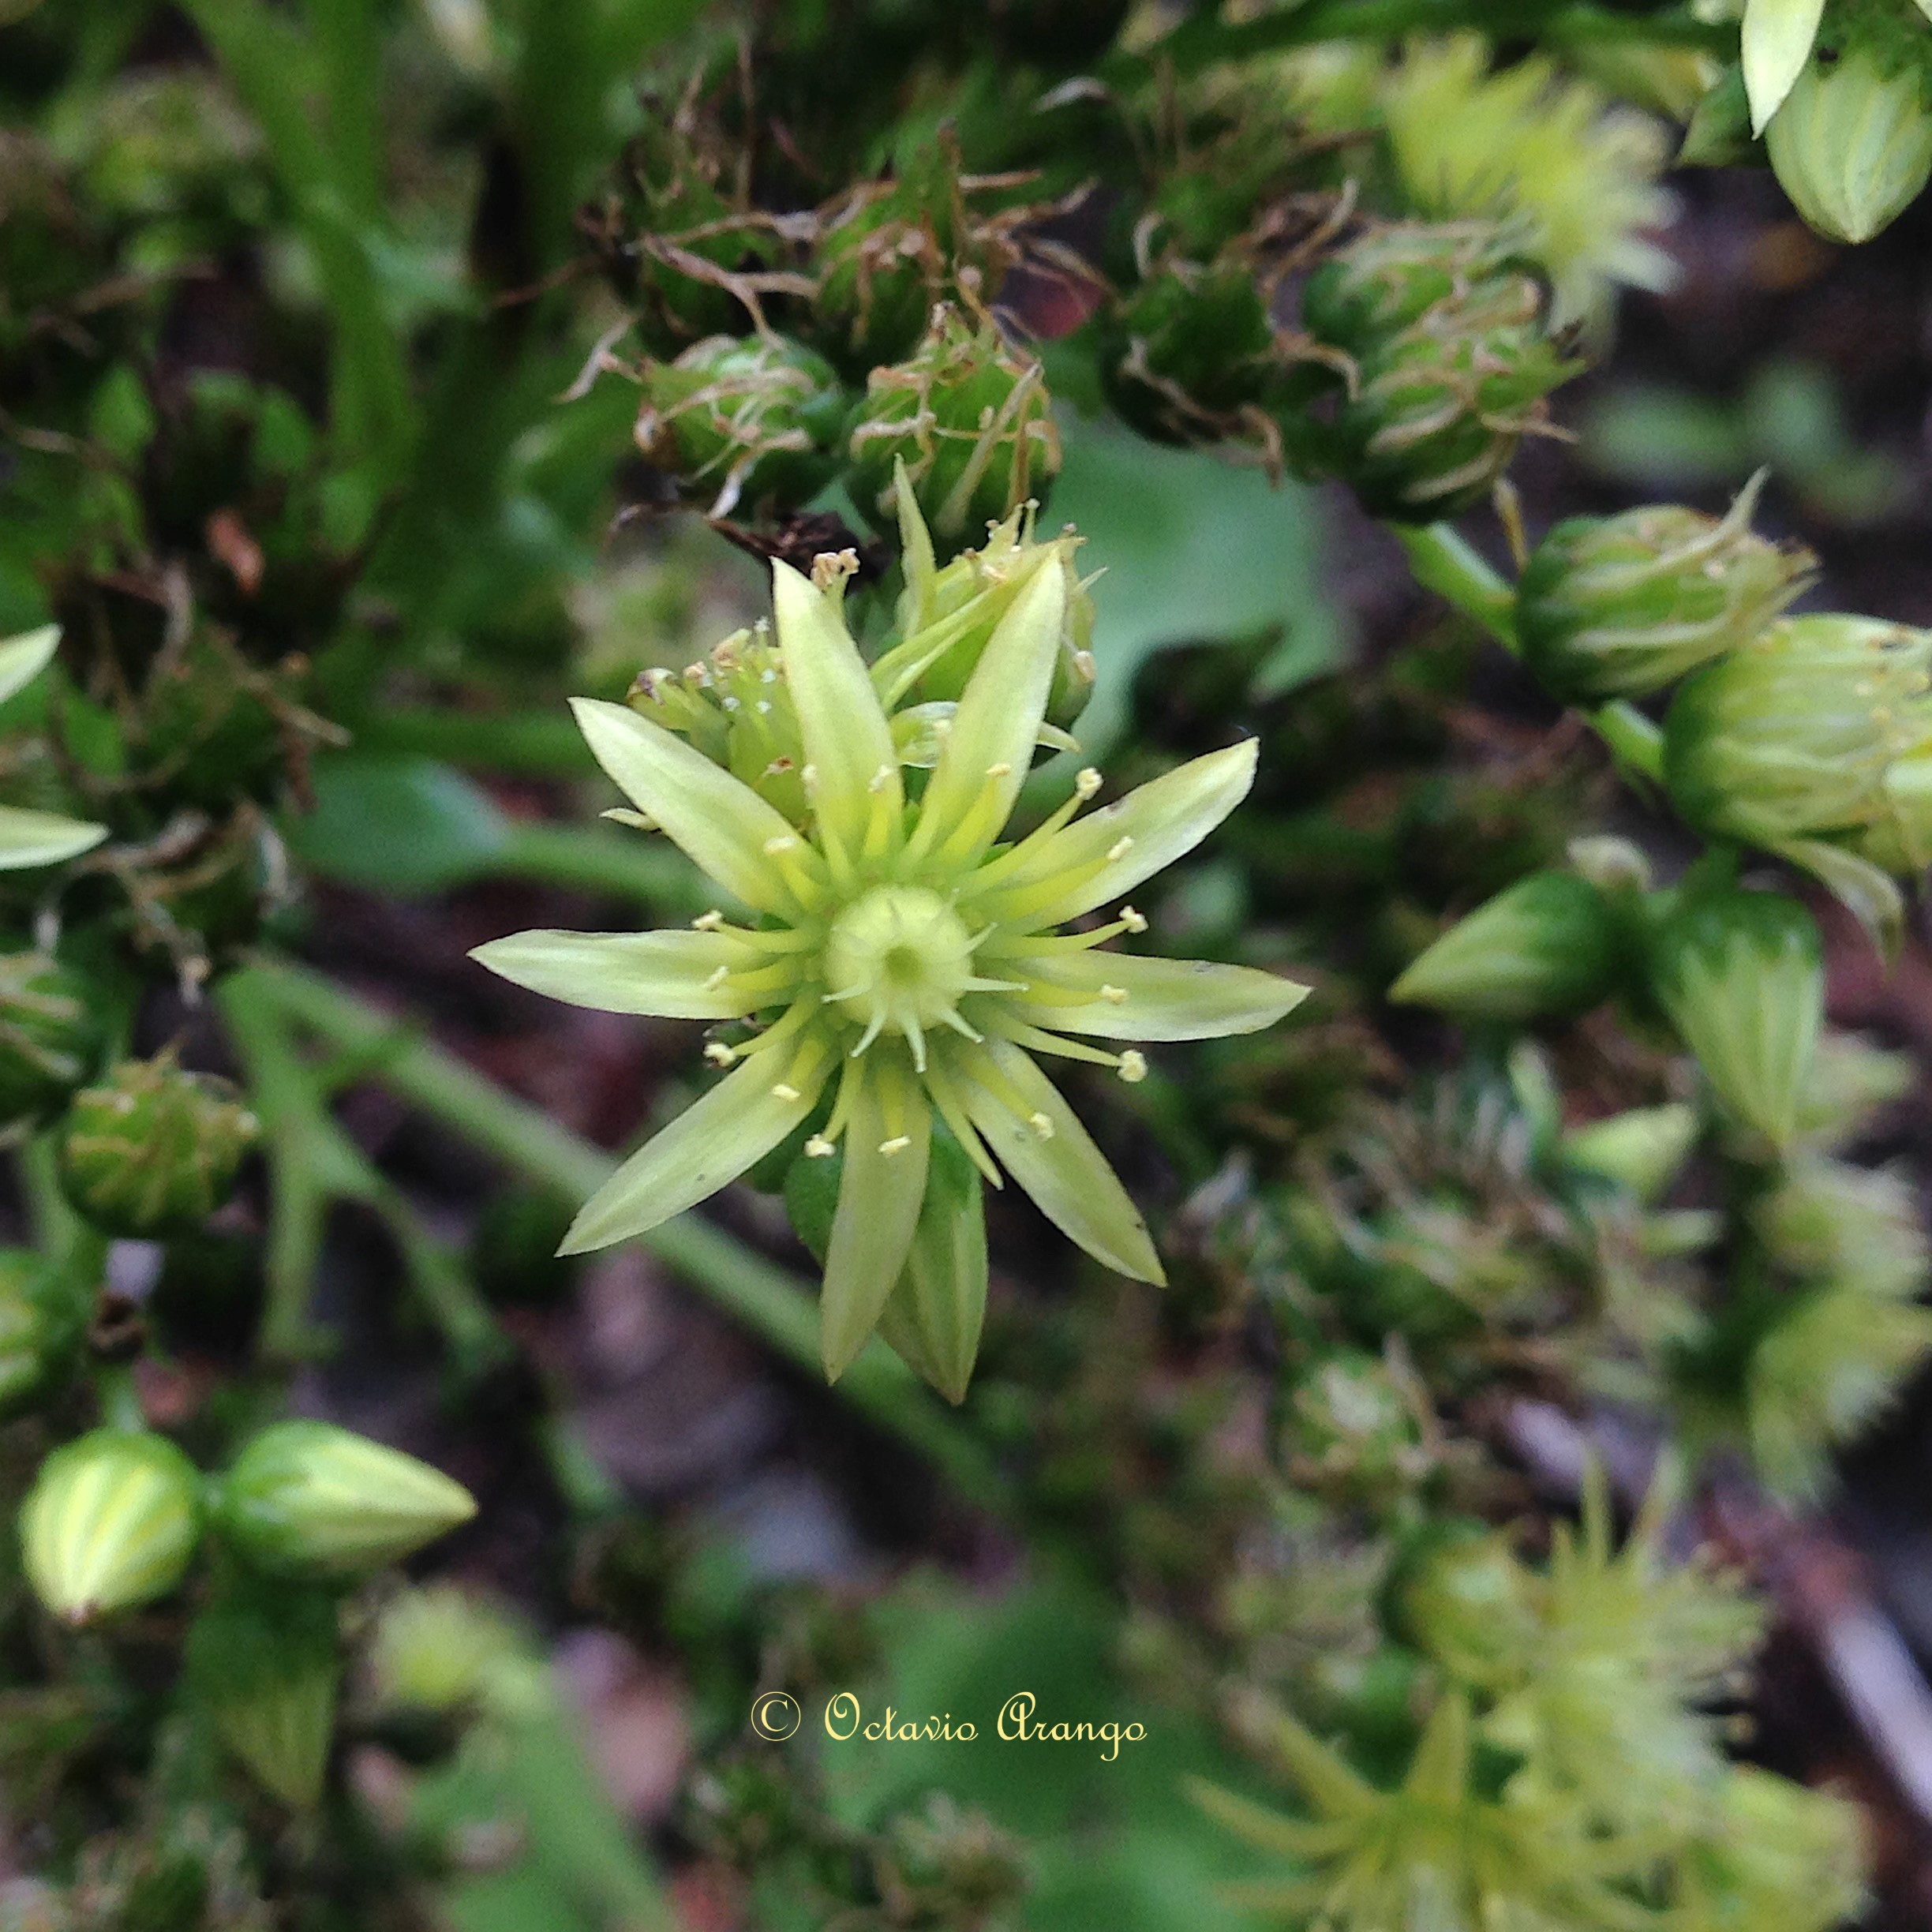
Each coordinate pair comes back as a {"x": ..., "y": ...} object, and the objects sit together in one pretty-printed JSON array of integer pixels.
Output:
[
  {"x": 38, "y": 838},
  {"x": 1777, "y": 39},
  {"x": 901, "y": 972}
]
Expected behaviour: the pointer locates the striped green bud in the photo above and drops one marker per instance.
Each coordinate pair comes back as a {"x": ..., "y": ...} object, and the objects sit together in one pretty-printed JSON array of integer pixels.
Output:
[
  {"x": 1814, "y": 741},
  {"x": 1392, "y": 275},
  {"x": 1852, "y": 143},
  {"x": 1548, "y": 947},
  {"x": 1621, "y": 606},
  {"x": 40, "y": 1321},
  {"x": 1741, "y": 975},
  {"x": 307, "y": 1499},
  {"x": 264, "y": 1664},
  {"x": 153, "y": 1151},
  {"x": 752, "y": 420},
  {"x": 1640, "y": 1151},
  {"x": 50, "y": 1036},
  {"x": 968, "y": 419},
  {"x": 110, "y": 1522}
]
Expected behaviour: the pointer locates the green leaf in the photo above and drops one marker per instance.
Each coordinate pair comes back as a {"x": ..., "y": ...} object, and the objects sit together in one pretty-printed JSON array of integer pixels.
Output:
[{"x": 403, "y": 824}]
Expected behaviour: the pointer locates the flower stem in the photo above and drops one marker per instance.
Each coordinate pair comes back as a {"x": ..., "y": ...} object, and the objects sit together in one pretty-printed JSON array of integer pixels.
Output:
[{"x": 765, "y": 1297}]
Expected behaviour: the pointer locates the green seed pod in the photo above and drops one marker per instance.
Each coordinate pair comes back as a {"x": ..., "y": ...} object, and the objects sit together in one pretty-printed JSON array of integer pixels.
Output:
[
  {"x": 264, "y": 1664},
  {"x": 1549, "y": 947},
  {"x": 748, "y": 419},
  {"x": 49, "y": 1036},
  {"x": 1621, "y": 606},
  {"x": 969, "y": 420},
  {"x": 1741, "y": 976},
  {"x": 1451, "y": 363},
  {"x": 1852, "y": 143},
  {"x": 306, "y": 1498},
  {"x": 153, "y": 1151},
  {"x": 1190, "y": 358},
  {"x": 110, "y": 1522},
  {"x": 1813, "y": 741},
  {"x": 1640, "y": 1151},
  {"x": 41, "y": 1317}
]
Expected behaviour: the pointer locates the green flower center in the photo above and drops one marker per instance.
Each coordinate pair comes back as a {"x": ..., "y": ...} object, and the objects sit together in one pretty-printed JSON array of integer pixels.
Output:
[{"x": 897, "y": 959}]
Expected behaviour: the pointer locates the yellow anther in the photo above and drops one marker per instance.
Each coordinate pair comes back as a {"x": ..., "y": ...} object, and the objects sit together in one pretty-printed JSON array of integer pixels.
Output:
[
  {"x": 809, "y": 778},
  {"x": 719, "y": 1054},
  {"x": 1001, "y": 770},
  {"x": 897, "y": 1144},
  {"x": 1042, "y": 1125},
  {"x": 833, "y": 566},
  {"x": 778, "y": 848},
  {"x": 1119, "y": 850},
  {"x": 1114, "y": 995},
  {"x": 713, "y": 921},
  {"x": 880, "y": 779},
  {"x": 818, "y": 1147},
  {"x": 1132, "y": 1066},
  {"x": 1086, "y": 782},
  {"x": 718, "y": 979},
  {"x": 1134, "y": 922},
  {"x": 783, "y": 1090}
]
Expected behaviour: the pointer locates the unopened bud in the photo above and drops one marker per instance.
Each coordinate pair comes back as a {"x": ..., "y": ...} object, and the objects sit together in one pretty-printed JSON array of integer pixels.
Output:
[
  {"x": 1352, "y": 1430},
  {"x": 308, "y": 1498},
  {"x": 1548, "y": 947},
  {"x": 1640, "y": 1150},
  {"x": 969, "y": 419},
  {"x": 153, "y": 1151},
  {"x": 50, "y": 1036},
  {"x": 1852, "y": 143},
  {"x": 110, "y": 1522},
  {"x": 1621, "y": 606},
  {"x": 436, "y": 1647},
  {"x": 264, "y": 1664},
  {"x": 1741, "y": 976}
]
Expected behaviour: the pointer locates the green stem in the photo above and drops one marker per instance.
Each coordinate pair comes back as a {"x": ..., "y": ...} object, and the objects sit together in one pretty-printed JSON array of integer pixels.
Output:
[
  {"x": 534, "y": 744},
  {"x": 766, "y": 1298},
  {"x": 1635, "y": 742},
  {"x": 1449, "y": 565},
  {"x": 651, "y": 870}
]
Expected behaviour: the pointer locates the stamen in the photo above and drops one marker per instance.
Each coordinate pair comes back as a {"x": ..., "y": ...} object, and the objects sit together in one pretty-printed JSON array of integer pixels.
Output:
[
  {"x": 1001, "y": 770},
  {"x": 783, "y": 1090},
  {"x": 719, "y": 1054},
  {"x": 713, "y": 921},
  {"x": 880, "y": 779},
  {"x": 718, "y": 979},
  {"x": 1119, "y": 849},
  {"x": 897, "y": 1144},
  {"x": 1086, "y": 782},
  {"x": 778, "y": 848},
  {"x": 1114, "y": 995},
  {"x": 818, "y": 1147},
  {"x": 1134, "y": 922},
  {"x": 1132, "y": 1066},
  {"x": 809, "y": 778},
  {"x": 1042, "y": 1125}
]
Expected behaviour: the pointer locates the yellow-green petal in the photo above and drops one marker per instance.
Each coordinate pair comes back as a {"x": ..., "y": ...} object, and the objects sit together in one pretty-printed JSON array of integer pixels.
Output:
[
  {"x": 848, "y": 744},
  {"x": 989, "y": 746},
  {"x": 720, "y": 823},
  {"x": 23, "y": 658},
  {"x": 878, "y": 1207},
  {"x": 1777, "y": 39},
  {"x": 672, "y": 975},
  {"x": 38, "y": 838},
  {"x": 1109, "y": 853},
  {"x": 1157, "y": 999},
  {"x": 1066, "y": 1175},
  {"x": 709, "y": 1144}
]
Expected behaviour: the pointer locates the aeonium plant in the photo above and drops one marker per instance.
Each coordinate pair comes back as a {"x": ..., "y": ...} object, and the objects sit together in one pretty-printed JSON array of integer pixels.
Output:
[{"x": 897, "y": 969}]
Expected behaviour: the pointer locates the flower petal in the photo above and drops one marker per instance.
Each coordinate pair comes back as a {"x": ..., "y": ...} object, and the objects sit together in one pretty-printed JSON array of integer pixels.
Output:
[
  {"x": 878, "y": 1208},
  {"x": 38, "y": 838},
  {"x": 847, "y": 742},
  {"x": 1778, "y": 39},
  {"x": 720, "y": 823},
  {"x": 711, "y": 1142},
  {"x": 23, "y": 658},
  {"x": 1165, "y": 999},
  {"x": 989, "y": 745},
  {"x": 1066, "y": 1175},
  {"x": 1110, "y": 852},
  {"x": 666, "y": 974}
]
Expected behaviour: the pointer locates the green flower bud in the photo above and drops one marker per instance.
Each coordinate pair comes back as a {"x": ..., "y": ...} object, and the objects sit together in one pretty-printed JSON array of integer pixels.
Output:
[
  {"x": 1470, "y": 1605},
  {"x": 1451, "y": 362},
  {"x": 110, "y": 1522},
  {"x": 1779, "y": 1858},
  {"x": 1618, "y": 607},
  {"x": 49, "y": 1036},
  {"x": 1852, "y": 143},
  {"x": 307, "y": 1499},
  {"x": 749, "y": 420},
  {"x": 1549, "y": 947},
  {"x": 436, "y": 1647},
  {"x": 970, "y": 420},
  {"x": 264, "y": 1664},
  {"x": 153, "y": 1151},
  {"x": 1826, "y": 1218},
  {"x": 1353, "y": 1430},
  {"x": 1815, "y": 741},
  {"x": 1190, "y": 357},
  {"x": 1741, "y": 976},
  {"x": 1640, "y": 1151},
  {"x": 40, "y": 1321}
]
